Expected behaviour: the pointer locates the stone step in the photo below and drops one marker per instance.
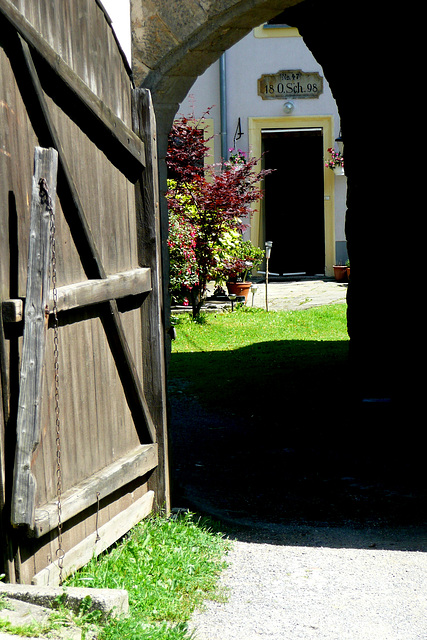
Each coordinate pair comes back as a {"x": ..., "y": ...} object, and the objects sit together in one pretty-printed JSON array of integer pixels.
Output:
[{"x": 21, "y": 614}]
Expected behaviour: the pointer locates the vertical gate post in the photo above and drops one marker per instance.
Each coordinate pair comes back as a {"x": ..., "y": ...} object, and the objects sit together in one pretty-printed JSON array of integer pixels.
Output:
[
  {"x": 152, "y": 320},
  {"x": 36, "y": 317}
]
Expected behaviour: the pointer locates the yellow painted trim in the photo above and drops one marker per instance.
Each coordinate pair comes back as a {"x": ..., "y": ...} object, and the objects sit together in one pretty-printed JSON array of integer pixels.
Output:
[
  {"x": 255, "y": 126},
  {"x": 209, "y": 133},
  {"x": 276, "y": 32}
]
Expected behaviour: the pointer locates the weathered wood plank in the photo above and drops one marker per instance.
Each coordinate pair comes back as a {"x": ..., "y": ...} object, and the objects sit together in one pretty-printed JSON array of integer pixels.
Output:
[
  {"x": 95, "y": 544},
  {"x": 127, "y": 369},
  {"x": 113, "y": 125},
  {"x": 33, "y": 351},
  {"x": 152, "y": 315},
  {"x": 12, "y": 310},
  {"x": 118, "y": 285},
  {"x": 133, "y": 465},
  {"x": 67, "y": 190},
  {"x": 81, "y": 294},
  {"x": 5, "y": 537}
]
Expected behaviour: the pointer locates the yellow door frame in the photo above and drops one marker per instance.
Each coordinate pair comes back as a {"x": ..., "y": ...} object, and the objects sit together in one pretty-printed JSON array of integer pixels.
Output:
[{"x": 256, "y": 126}]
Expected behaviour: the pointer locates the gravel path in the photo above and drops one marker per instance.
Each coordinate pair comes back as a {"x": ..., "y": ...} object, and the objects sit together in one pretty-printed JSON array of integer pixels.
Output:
[{"x": 280, "y": 590}]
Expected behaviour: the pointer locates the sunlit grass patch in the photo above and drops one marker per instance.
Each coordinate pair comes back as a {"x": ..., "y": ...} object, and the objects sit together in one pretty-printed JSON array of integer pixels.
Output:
[{"x": 168, "y": 566}]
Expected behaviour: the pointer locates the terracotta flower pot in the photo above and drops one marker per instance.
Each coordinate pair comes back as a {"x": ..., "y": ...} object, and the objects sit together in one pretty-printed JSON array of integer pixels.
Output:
[
  {"x": 239, "y": 288},
  {"x": 340, "y": 272}
]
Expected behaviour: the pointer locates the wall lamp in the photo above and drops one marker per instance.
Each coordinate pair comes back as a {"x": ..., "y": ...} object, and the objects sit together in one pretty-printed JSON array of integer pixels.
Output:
[
  {"x": 288, "y": 107},
  {"x": 340, "y": 144}
]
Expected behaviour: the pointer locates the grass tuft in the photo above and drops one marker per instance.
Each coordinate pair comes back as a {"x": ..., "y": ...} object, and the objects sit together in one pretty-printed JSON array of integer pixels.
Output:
[{"x": 168, "y": 566}]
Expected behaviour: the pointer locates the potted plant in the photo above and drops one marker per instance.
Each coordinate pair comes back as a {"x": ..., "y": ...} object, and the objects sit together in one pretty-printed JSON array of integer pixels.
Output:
[
  {"x": 340, "y": 272},
  {"x": 336, "y": 162},
  {"x": 347, "y": 264},
  {"x": 242, "y": 257}
]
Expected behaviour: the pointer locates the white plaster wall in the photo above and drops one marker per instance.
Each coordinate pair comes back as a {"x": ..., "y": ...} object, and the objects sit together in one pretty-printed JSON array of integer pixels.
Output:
[
  {"x": 246, "y": 61},
  {"x": 252, "y": 57},
  {"x": 205, "y": 93}
]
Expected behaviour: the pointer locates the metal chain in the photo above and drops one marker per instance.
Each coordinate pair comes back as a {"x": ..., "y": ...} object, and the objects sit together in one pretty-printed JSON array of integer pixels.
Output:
[{"x": 46, "y": 200}]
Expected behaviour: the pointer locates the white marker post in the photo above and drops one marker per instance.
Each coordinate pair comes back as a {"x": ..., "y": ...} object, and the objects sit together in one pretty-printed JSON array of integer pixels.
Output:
[{"x": 268, "y": 246}]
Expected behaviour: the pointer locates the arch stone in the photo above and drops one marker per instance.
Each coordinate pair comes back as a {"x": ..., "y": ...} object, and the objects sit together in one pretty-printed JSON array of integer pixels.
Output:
[
  {"x": 360, "y": 49},
  {"x": 174, "y": 42}
]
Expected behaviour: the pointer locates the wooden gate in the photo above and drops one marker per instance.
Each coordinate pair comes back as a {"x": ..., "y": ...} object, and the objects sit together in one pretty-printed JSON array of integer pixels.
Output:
[{"x": 65, "y": 86}]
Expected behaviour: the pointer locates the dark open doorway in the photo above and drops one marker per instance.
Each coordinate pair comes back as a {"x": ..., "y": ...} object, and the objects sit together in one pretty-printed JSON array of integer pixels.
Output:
[{"x": 294, "y": 200}]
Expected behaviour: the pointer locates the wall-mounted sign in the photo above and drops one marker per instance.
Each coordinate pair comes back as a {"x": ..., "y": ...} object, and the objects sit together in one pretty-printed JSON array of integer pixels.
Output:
[{"x": 290, "y": 84}]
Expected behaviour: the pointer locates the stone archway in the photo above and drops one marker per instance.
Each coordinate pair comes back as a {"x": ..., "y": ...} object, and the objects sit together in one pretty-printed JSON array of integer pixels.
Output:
[
  {"x": 173, "y": 43},
  {"x": 360, "y": 52}
]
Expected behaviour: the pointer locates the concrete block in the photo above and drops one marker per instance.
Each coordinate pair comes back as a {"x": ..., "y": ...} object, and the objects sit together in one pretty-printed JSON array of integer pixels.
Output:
[
  {"x": 113, "y": 602},
  {"x": 20, "y": 614}
]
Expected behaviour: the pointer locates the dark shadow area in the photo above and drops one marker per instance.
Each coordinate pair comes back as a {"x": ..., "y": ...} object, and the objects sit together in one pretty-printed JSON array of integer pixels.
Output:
[{"x": 292, "y": 452}]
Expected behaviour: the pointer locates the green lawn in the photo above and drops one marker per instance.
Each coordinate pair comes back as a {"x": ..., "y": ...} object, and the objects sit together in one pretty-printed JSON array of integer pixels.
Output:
[
  {"x": 247, "y": 325},
  {"x": 282, "y": 361}
]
